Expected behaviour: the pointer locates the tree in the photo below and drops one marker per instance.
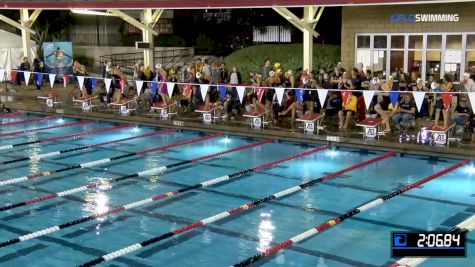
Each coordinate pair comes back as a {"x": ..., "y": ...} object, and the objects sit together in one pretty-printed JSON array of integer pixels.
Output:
[{"x": 51, "y": 26}]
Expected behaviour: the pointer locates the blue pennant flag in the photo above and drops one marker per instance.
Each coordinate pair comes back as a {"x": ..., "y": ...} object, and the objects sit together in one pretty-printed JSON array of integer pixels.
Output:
[
  {"x": 394, "y": 96},
  {"x": 222, "y": 91},
  {"x": 154, "y": 89},
  {"x": 39, "y": 79},
  {"x": 93, "y": 83},
  {"x": 299, "y": 95}
]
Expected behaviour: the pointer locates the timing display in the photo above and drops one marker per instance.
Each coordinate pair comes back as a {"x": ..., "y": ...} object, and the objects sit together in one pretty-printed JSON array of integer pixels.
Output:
[{"x": 428, "y": 244}]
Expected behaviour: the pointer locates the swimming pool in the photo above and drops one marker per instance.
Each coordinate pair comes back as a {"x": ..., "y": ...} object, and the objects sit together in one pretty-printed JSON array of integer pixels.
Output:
[{"x": 137, "y": 155}]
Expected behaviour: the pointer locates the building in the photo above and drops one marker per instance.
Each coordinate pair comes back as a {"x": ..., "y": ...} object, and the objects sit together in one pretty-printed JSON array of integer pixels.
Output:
[{"x": 433, "y": 39}]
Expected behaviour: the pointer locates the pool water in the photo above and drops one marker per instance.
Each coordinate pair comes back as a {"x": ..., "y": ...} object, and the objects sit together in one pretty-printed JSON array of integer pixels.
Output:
[{"x": 363, "y": 240}]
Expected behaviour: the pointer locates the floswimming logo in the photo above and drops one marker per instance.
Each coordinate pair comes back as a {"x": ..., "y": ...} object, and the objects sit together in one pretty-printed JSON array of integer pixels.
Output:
[{"x": 417, "y": 18}]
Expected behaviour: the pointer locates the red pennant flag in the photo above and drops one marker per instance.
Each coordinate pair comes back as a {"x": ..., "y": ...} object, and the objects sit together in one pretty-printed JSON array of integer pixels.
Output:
[
  {"x": 346, "y": 97},
  {"x": 447, "y": 98},
  {"x": 14, "y": 75},
  {"x": 187, "y": 91},
  {"x": 65, "y": 80},
  {"x": 260, "y": 93},
  {"x": 122, "y": 86}
]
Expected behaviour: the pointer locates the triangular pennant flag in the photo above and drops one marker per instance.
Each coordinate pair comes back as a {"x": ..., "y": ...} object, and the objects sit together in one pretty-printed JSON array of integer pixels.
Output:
[
  {"x": 419, "y": 98},
  {"x": 240, "y": 91},
  {"x": 52, "y": 77},
  {"x": 346, "y": 97},
  {"x": 260, "y": 93},
  {"x": 14, "y": 76},
  {"x": 447, "y": 99},
  {"x": 368, "y": 97},
  {"x": 93, "y": 83},
  {"x": 471, "y": 97},
  {"x": 279, "y": 91},
  {"x": 222, "y": 91},
  {"x": 39, "y": 79},
  {"x": 187, "y": 91},
  {"x": 107, "y": 82},
  {"x": 139, "y": 85},
  {"x": 65, "y": 80},
  {"x": 122, "y": 86},
  {"x": 394, "y": 96},
  {"x": 322, "y": 96},
  {"x": 2, "y": 75},
  {"x": 204, "y": 91},
  {"x": 170, "y": 87},
  {"x": 80, "y": 81},
  {"x": 154, "y": 87},
  {"x": 299, "y": 95},
  {"x": 27, "y": 77}
]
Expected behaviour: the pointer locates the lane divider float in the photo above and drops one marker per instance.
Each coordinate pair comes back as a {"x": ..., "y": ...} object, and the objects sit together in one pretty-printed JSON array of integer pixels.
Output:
[
  {"x": 68, "y": 136},
  {"x": 466, "y": 226},
  {"x": 11, "y": 114},
  {"x": 224, "y": 214},
  {"x": 95, "y": 163},
  {"x": 337, "y": 220},
  {"x": 55, "y": 153},
  {"x": 11, "y": 123},
  {"x": 164, "y": 195},
  {"x": 47, "y": 128}
]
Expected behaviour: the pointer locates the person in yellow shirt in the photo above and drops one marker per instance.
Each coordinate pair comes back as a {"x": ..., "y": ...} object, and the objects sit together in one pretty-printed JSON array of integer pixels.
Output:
[{"x": 348, "y": 110}]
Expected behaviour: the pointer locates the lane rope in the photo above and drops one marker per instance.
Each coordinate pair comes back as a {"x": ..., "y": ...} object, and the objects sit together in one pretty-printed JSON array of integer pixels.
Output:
[
  {"x": 68, "y": 136},
  {"x": 11, "y": 123},
  {"x": 337, "y": 220},
  {"x": 466, "y": 226},
  {"x": 131, "y": 205},
  {"x": 222, "y": 215},
  {"x": 164, "y": 195},
  {"x": 95, "y": 163},
  {"x": 55, "y": 153},
  {"x": 11, "y": 114},
  {"x": 47, "y": 128}
]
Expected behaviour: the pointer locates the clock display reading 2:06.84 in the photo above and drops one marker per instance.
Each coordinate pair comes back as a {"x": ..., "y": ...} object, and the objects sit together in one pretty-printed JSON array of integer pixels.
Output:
[{"x": 428, "y": 244}]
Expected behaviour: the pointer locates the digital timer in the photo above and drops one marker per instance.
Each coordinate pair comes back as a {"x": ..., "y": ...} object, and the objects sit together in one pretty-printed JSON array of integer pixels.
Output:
[{"x": 428, "y": 244}]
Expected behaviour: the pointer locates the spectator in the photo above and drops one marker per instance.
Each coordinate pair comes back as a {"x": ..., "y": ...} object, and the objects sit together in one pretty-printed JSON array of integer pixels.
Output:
[
  {"x": 106, "y": 69},
  {"x": 235, "y": 77},
  {"x": 348, "y": 111},
  {"x": 468, "y": 83},
  {"x": 206, "y": 70},
  {"x": 462, "y": 114},
  {"x": 216, "y": 73},
  {"x": 405, "y": 113},
  {"x": 24, "y": 66},
  {"x": 37, "y": 69},
  {"x": 231, "y": 102},
  {"x": 266, "y": 69},
  {"x": 224, "y": 74},
  {"x": 137, "y": 67}
]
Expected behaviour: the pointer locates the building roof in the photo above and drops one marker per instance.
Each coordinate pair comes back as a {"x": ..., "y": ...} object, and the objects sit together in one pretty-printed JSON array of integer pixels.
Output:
[{"x": 197, "y": 4}]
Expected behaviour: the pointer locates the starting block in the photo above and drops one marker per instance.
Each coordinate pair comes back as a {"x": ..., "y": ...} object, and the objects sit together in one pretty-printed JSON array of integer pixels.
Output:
[
  {"x": 257, "y": 119},
  {"x": 439, "y": 135},
  {"x": 209, "y": 114},
  {"x": 312, "y": 122},
  {"x": 165, "y": 110},
  {"x": 124, "y": 106},
  {"x": 85, "y": 102},
  {"x": 50, "y": 99},
  {"x": 370, "y": 127}
]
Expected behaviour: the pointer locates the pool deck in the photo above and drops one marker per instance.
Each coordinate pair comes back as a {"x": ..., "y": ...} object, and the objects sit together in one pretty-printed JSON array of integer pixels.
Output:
[{"x": 21, "y": 98}]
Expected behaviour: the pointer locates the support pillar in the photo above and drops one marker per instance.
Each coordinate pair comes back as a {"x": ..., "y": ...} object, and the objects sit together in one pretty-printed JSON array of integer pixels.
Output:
[
  {"x": 307, "y": 41},
  {"x": 148, "y": 54},
  {"x": 25, "y": 35}
]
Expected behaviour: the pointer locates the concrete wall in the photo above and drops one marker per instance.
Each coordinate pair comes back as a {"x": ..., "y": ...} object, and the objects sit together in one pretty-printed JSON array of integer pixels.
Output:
[{"x": 376, "y": 19}]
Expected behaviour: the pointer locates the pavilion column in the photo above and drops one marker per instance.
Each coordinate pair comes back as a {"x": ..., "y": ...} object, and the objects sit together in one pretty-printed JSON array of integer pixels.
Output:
[
  {"x": 25, "y": 35},
  {"x": 148, "y": 54}
]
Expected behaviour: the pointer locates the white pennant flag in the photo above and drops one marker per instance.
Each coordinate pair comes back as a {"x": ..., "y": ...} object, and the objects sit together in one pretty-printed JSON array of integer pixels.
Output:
[
  {"x": 368, "y": 97},
  {"x": 204, "y": 90},
  {"x": 2, "y": 75},
  {"x": 108, "y": 81},
  {"x": 80, "y": 81},
  {"x": 170, "y": 87},
  {"x": 52, "y": 77},
  {"x": 322, "y": 96},
  {"x": 27, "y": 77},
  {"x": 419, "y": 98},
  {"x": 240, "y": 91},
  {"x": 471, "y": 97},
  {"x": 139, "y": 85},
  {"x": 279, "y": 91}
]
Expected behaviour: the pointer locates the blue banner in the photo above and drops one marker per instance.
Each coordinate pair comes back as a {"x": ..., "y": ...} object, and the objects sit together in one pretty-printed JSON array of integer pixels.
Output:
[
  {"x": 39, "y": 79},
  {"x": 222, "y": 91},
  {"x": 299, "y": 95},
  {"x": 394, "y": 96},
  {"x": 93, "y": 83},
  {"x": 154, "y": 88}
]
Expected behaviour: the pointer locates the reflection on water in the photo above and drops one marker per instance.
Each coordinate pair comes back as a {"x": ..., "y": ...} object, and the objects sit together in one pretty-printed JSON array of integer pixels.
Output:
[
  {"x": 97, "y": 202},
  {"x": 35, "y": 150},
  {"x": 266, "y": 230}
]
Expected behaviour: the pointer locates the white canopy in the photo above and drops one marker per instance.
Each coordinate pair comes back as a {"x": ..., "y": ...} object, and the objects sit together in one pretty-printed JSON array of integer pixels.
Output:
[{"x": 11, "y": 51}]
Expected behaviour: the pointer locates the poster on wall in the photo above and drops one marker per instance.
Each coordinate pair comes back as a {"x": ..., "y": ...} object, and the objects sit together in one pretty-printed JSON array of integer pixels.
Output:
[{"x": 58, "y": 56}]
